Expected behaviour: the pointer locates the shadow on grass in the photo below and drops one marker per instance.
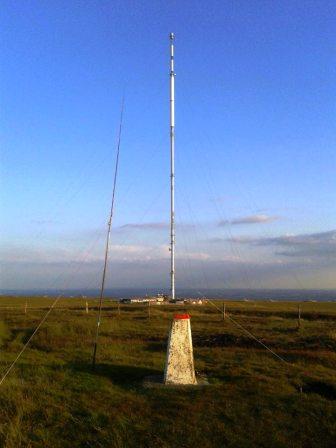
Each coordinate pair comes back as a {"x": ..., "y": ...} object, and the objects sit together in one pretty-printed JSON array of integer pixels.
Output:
[
  {"x": 322, "y": 388},
  {"x": 122, "y": 375},
  {"x": 286, "y": 330},
  {"x": 20, "y": 335},
  {"x": 230, "y": 340},
  {"x": 157, "y": 345},
  {"x": 224, "y": 340},
  {"x": 307, "y": 315}
]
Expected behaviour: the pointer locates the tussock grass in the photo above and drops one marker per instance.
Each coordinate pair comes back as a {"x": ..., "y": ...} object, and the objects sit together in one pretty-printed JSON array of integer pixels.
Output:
[
  {"x": 4, "y": 332},
  {"x": 53, "y": 398}
]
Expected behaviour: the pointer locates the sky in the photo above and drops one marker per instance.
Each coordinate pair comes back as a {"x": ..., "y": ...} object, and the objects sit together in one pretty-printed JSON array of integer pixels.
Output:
[{"x": 255, "y": 143}]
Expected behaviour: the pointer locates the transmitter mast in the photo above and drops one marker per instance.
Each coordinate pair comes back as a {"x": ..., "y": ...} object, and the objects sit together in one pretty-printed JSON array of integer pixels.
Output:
[{"x": 172, "y": 168}]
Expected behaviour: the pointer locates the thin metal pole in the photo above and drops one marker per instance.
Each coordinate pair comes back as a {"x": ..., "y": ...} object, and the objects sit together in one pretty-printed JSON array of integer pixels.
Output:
[
  {"x": 172, "y": 167},
  {"x": 108, "y": 239}
]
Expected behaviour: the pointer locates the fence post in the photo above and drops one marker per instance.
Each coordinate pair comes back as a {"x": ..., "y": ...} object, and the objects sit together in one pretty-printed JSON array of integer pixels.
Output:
[
  {"x": 26, "y": 306},
  {"x": 223, "y": 311},
  {"x": 119, "y": 308},
  {"x": 87, "y": 307},
  {"x": 299, "y": 315}
]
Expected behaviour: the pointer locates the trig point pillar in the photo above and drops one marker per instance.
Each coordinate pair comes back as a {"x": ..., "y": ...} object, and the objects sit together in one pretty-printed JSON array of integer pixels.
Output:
[{"x": 180, "y": 359}]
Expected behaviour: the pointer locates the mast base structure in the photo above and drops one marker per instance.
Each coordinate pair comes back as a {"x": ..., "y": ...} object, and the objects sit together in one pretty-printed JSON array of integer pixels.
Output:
[{"x": 179, "y": 369}]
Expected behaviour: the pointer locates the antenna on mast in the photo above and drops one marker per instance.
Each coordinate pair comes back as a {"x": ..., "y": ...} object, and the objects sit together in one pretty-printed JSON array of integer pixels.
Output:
[
  {"x": 109, "y": 225},
  {"x": 172, "y": 168}
]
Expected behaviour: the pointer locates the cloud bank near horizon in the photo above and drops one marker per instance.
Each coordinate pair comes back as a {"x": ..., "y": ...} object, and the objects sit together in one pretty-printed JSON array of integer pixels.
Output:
[
  {"x": 321, "y": 244},
  {"x": 303, "y": 260}
]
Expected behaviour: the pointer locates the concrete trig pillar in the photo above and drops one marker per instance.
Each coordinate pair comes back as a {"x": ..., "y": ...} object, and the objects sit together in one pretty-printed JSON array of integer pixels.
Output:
[{"x": 180, "y": 359}]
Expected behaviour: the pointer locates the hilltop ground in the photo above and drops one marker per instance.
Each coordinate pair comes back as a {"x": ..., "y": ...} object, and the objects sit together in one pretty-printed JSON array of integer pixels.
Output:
[{"x": 53, "y": 399}]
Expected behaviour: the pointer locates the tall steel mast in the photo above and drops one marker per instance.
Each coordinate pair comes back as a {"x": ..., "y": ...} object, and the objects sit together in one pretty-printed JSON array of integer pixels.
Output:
[{"x": 172, "y": 168}]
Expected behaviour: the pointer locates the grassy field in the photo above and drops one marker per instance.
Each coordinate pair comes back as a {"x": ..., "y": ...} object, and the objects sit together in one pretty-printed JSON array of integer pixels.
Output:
[{"x": 52, "y": 398}]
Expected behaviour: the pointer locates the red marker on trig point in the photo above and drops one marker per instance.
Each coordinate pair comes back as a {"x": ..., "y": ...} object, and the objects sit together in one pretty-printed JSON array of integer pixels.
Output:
[{"x": 180, "y": 360}]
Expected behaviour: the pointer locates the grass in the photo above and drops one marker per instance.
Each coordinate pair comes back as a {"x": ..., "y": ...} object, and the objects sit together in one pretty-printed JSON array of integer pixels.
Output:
[{"x": 53, "y": 398}]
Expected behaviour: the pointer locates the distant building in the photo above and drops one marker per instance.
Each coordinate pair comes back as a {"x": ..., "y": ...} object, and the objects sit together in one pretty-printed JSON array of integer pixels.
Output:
[{"x": 160, "y": 298}]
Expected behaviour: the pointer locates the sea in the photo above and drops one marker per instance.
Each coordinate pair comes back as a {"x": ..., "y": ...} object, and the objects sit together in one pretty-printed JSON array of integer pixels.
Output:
[{"x": 318, "y": 295}]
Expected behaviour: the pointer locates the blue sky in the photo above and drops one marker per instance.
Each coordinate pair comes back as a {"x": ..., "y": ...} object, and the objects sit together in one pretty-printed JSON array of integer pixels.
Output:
[{"x": 255, "y": 142}]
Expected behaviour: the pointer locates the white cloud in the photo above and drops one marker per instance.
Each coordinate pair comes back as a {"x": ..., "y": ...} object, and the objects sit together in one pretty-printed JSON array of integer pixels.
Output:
[
  {"x": 152, "y": 226},
  {"x": 251, "y": 219},
  {"x": 145, "y": 226}
]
